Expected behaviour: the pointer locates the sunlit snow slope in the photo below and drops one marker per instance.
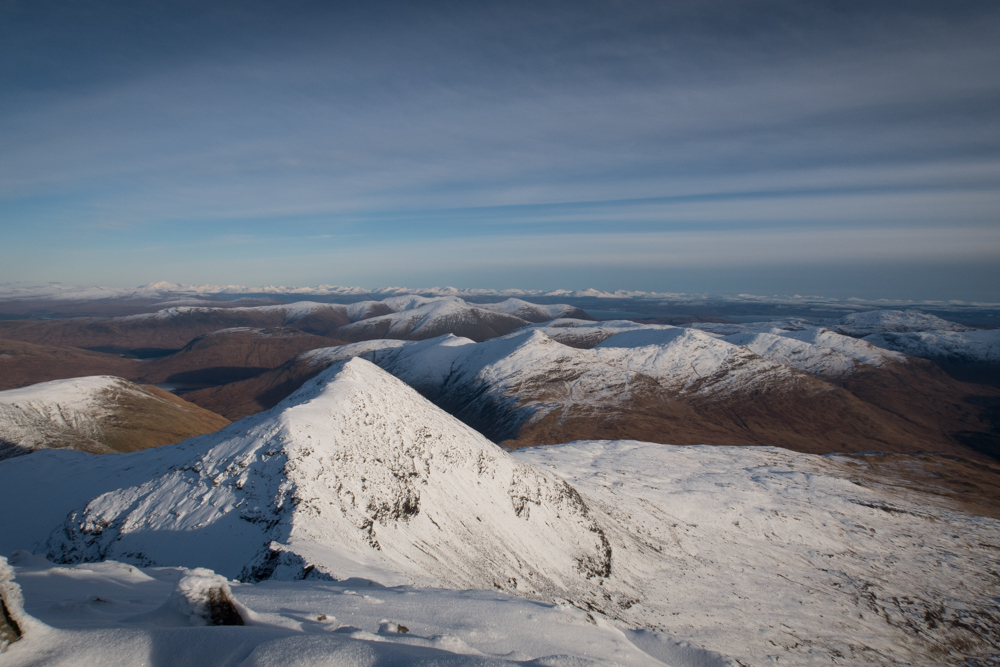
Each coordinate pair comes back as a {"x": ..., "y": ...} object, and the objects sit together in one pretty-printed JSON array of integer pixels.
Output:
[
  {"x": 97, "y": 414},
  {"x": 354, "y": 475}
]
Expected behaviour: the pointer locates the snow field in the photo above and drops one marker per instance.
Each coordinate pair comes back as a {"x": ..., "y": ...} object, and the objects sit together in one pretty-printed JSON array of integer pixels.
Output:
[{"x": 109, "y": 613}]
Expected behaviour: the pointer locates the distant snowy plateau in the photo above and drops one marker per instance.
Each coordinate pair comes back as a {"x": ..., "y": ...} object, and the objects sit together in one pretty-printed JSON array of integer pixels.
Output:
[{"x": 358, "y": 523}]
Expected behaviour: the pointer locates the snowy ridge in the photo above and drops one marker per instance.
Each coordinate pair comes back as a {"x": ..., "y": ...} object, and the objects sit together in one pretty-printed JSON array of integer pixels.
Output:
[
  {"x": 876, "y": 337},
  {"x": 394, "y": 317},
  {"x": 97, "y": 414},
  {"x": 815, "y": 360},
  {"x": 961, "y": 346},
  {"x": 353, "y": 475},
  {"x": 419, "y": 318},
  {"x": 758, "y": 553},
  {"x": 507, "y": 381},
  {"x": 858, "y": 350},
  {"x": 80, "y": 405},
  {"x": 893, "y": 321},
  {"x": 75, "y": 403},
  {"x": 532, "y": 312},
  {"x": 768, "y": 326},
  {"x": 22, "y": 432}
]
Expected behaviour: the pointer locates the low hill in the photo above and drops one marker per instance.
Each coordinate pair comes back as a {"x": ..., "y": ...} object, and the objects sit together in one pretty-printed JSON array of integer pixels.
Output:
[{"x": 98, "y": 414}]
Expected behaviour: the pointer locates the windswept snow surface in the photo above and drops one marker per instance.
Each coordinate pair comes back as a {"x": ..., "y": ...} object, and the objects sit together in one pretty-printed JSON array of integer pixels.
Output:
[
  {"x": 774, "y": 557},
  {"x": 761, "y": 554},
  {"x": 100, "y": 614}
]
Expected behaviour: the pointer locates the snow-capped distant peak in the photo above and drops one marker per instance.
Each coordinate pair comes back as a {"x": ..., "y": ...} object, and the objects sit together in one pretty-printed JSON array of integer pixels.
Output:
[
  {"x": 815, "y": 360},
  {"x": 893, "y": 321},
  {"x": 859, "y": 350}
]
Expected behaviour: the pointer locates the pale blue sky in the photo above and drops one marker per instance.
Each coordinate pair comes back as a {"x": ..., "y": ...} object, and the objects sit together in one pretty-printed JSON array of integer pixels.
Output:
[{"x": 842, "y": 148}]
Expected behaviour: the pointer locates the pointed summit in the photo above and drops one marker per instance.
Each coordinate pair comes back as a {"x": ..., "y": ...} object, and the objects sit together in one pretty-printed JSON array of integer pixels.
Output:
[{"x": 355, "y": 474}]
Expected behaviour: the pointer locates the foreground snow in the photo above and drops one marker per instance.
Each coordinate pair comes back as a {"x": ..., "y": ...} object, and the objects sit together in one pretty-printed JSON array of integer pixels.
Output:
[
  {"x": 775, "y": 557},
  {"x": 110, "y": 613},
  {"x": 761, "y": 554}
]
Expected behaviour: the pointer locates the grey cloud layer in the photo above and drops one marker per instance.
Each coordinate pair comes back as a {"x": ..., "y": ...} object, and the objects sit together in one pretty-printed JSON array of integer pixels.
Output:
[{"x": 378, "y": 114}]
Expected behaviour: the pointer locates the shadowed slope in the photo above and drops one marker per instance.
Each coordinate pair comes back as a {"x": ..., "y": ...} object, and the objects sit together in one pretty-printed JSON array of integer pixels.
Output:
[{"x": 23, "y": 364}]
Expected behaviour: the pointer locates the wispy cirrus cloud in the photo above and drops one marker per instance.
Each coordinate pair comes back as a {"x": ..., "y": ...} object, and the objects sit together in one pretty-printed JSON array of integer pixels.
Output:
[{"x": 123, "y": 126}]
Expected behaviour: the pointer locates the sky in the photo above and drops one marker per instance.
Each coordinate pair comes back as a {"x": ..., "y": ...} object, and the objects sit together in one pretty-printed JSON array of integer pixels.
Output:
[{"x": 833, "y": 148}]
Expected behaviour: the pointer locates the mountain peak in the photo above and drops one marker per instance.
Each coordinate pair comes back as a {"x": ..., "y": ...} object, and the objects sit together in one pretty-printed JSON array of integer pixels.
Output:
[{"x": 353, "y": 475}]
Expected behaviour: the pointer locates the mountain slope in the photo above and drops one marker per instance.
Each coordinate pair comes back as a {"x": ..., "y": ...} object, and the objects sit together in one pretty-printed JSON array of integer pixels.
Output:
[
  {"x": 22, "y": 364},
  {"x": 768, "y": 556},
  {"x": 658, "y": 383},
  {"x": 893, "y": 321},
  {"x": 533, "y": 312},
  {"x": 433, "y": 319},
  {"x": 229, "y": 355},
  {"x": 353, "y": 475},
  {"x": 98, "y": 414},
  {"x": 951, "y": 346}
]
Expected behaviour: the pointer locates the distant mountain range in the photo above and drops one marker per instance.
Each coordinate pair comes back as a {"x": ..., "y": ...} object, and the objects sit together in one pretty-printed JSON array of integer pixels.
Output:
[
  {"x": 810, "y": 390},
  {"x": 165, "y": 290},
  {"x": 527, "y": 374}
]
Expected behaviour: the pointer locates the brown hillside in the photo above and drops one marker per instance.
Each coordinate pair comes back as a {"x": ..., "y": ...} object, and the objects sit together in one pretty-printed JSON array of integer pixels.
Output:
[
  {"x": 247, "y": 397},
  {"x": 23, "y": 364},
  {"x": 229, "y": 355}
]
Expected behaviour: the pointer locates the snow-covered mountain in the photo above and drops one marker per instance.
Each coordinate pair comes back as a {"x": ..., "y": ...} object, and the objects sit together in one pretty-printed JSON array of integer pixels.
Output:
[
  {"x": 353, "y": 475},
  {"x": 98, "y": 414},
  {"x": 501, "y": 384},
  {"x": 910, "y": 332},
  {"x": 533, "y": 312},
  {"x": 893, "y": 321},
  {"x": 419, "y": 319},
  {"x": 166, "y": 290},
  {"x": 813, "y": 390},
  {"x": 405, "y": 317},
  {"x": 957, "y": 346},
  {"x": 760, "y": 554}
]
